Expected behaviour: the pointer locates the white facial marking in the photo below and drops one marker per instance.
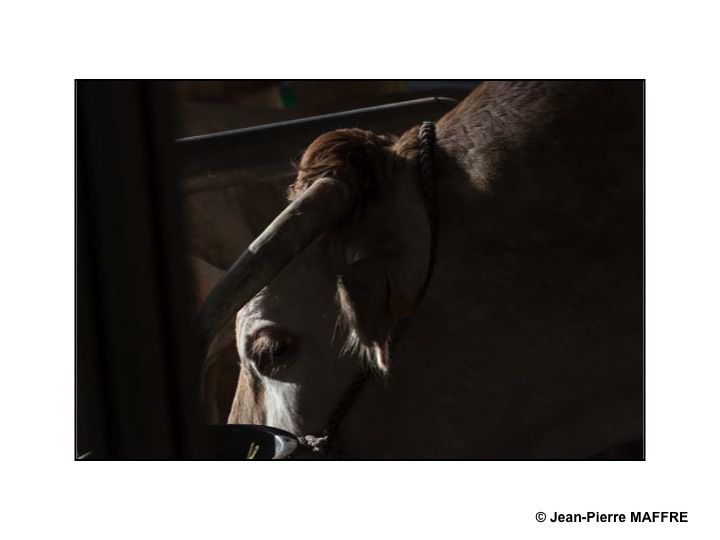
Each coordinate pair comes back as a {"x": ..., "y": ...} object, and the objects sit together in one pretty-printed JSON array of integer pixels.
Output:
[{"x": 280, "y": 400}]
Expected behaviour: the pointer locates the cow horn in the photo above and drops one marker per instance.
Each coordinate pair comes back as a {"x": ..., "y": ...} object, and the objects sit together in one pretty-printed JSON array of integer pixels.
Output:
[{"x": 321, "y": 206}]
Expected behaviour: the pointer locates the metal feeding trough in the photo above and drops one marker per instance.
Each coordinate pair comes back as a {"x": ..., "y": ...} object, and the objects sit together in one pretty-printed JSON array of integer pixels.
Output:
[{"x": 252, "y": 442}]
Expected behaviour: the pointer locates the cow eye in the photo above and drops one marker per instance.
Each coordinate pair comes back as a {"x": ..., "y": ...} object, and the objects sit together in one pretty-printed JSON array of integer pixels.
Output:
[
  {"x": 272, "y": 348},
  {"x": 279, "y": 348}
]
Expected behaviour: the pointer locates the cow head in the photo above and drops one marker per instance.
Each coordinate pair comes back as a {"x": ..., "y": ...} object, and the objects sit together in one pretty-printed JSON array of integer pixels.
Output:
[{"x": 320, "y": 290}]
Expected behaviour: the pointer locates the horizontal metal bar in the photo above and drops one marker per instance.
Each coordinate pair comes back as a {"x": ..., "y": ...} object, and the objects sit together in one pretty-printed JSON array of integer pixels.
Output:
[
  {"x": 268, "y": 143},
  {"x": 320, "y": 120}
]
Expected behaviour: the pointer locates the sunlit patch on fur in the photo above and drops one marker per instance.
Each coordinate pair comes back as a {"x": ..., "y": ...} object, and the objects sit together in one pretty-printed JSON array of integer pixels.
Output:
[{"x": 382, "y": 356}]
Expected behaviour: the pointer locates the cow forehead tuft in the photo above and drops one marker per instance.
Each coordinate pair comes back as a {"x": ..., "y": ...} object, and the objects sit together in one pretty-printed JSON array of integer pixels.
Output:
[{"x": 354, "y": 155}]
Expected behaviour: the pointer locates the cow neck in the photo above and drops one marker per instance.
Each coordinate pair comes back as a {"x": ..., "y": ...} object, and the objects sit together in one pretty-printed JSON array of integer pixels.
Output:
[{"x": 327, "y": 442}]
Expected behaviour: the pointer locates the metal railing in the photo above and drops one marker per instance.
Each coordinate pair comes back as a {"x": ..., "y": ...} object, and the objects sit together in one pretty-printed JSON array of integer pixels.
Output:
[{"x": 259, "y": 145}]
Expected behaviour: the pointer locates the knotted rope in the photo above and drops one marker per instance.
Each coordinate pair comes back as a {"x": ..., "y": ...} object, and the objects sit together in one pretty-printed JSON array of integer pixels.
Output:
[{"x": 426, "y": 136}]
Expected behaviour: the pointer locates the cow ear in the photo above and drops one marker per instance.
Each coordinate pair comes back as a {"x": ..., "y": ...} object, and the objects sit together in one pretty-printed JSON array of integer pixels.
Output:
[
  {"x": 364, "y": 299},
  {"x": 398, "y": 302},
  {"x": 375, "y": 293}
]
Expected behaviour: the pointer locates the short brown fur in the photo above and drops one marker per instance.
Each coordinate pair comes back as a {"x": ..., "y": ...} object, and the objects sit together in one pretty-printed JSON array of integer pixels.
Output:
[{"x": 349, "y": 154}]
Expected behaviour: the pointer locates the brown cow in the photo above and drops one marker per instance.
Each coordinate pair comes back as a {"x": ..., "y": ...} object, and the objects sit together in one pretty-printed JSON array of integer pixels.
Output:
[{"x": 527, "y": 342}]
